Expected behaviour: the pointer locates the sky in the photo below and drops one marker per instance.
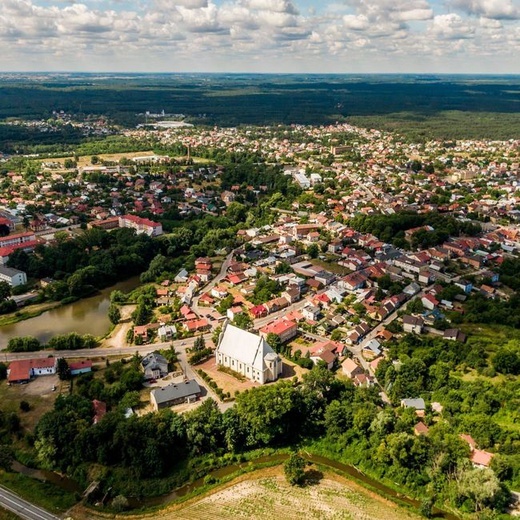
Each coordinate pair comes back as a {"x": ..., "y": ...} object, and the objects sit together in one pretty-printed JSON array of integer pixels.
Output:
[{"x": 278, "y": 36}]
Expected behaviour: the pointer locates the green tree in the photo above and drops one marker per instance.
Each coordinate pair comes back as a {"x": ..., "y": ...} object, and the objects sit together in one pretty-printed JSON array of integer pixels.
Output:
[
  {"x": 243, "y": 321},
  {"x": 63, "y": 369},
  {"x": 114, "y": 314},
  {"x": 481, "y": 486},
  {"x": 5, "y": 290},
  {"x": 313, "y": 251},
  {"x": 294, "y": 469},
  {"x": 274, "y": 341}
]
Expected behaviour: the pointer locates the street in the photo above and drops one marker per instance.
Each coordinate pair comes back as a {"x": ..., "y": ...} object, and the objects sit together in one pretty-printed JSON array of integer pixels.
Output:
[{"x": 22, "y": 508}]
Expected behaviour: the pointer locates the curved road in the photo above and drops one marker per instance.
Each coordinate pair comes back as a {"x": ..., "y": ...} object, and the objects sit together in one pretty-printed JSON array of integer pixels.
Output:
[{"x": 22, "y": 508}]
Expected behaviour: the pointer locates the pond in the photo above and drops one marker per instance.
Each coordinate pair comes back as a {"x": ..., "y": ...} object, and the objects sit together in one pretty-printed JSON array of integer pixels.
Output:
[{"x": 86, "y": 316}]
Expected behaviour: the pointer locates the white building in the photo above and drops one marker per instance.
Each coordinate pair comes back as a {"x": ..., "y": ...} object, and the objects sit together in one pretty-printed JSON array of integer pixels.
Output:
[
  {"x": 248, "y": 354},
  {"x": 12, "y": 276}
]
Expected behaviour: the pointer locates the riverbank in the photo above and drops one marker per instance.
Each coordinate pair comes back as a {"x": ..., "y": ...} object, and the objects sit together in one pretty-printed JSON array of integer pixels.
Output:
[
  {"x": 264, "y": 494},
  {"x": 49, "y": 496},
  {"x": 28, "y": 312}
]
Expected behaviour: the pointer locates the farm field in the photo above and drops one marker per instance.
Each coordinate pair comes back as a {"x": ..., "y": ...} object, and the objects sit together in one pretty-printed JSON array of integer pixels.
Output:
[{"x": 264, "y": 495}]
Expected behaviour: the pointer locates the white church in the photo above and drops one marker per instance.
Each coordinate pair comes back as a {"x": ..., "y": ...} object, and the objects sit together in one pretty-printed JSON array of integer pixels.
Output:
[{"x": 248, "y": 354}]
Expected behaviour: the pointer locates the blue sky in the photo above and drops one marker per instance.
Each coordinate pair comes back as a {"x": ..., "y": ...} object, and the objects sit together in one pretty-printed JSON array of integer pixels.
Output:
[{"x": 437, "y": 36}]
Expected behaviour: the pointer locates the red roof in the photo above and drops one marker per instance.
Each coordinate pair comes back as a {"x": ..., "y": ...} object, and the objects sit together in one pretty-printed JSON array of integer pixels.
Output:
[
  {"x": 78, "y": 365},
  {"x": 20, "y": 370},
  {"x": 100, "y": 410},
  {"x": 141, "y": 221},
  {"x": 278, "y": 327},
  {"x": 7, "y": 250},
  {"x": 481, "y": 458}
]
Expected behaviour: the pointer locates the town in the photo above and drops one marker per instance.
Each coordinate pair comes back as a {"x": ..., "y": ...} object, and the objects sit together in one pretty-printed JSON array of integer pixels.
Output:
[{"x": 266, "y": 254}]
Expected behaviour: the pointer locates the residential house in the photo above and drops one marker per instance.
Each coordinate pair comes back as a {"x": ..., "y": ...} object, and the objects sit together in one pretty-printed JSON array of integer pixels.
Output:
[
  {"x": 413, "y": 324},
  {"x": 311, "y": 312},
  {"x": 351, "y": 368},
  {"x": 429, "y": 302},
  {"x": 166, "y": 332},
  {"x": 154, "y": 366},
  {"x": 80, "y": 367},
  {"x": 454, "y": 335},
  {"x": 372, "y": 349},
  {"x": 420, "y": 429},
  {"x": 416, "y": 403},
  {"x": 13, "y": 277},
  {"x": 23, "y": 370},
  {"x": 285, "y": 329}
]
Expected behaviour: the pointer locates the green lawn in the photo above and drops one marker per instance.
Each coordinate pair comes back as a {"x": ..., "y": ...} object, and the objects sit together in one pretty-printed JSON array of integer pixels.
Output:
[
  {"x": 7, "y": 515},
  {"x": 48, "y": 496}
]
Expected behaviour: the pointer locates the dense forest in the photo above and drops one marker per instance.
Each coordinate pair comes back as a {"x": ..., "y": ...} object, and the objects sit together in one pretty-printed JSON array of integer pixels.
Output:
[{"x": 443, "y": 107}]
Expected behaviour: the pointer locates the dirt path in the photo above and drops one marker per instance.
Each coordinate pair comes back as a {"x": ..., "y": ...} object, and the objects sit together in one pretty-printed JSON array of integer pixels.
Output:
[{"x": 117, "y": 337}]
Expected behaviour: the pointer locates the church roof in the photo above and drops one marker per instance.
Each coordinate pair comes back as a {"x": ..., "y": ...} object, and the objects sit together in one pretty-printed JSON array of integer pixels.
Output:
[{"x": 245, "y": 347}]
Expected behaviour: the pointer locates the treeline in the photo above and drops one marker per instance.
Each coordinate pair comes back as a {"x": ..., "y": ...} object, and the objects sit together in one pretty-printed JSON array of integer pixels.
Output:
[
  {"x": 72, "y": 341},
  {"x": 323, "y": 412},
  {"x": 391, "y": 228},
  {"x": 479, "y": 309},
  {"x": 93, "y": 260}
]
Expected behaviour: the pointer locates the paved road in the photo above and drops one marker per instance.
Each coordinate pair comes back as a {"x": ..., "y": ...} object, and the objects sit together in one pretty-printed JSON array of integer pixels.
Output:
[
  {"x": 22, "y": 508},
  {"x": 179, "y": 345},
  {"x": 213, "y": 283}
]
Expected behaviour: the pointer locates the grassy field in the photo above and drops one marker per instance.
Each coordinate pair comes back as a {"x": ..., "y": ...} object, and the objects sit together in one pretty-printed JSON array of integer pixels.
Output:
[
  {"x": 38, "y": 393},
  {"x": 265, "y": 495},
  {"x": 7, "y": 515},
  {"x": 46, "y": 495},
  {"x": 31, "y": 311}
]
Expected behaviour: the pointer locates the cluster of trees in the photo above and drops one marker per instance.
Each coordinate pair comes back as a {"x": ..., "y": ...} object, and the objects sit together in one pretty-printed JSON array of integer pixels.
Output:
[
  {"x": 71, "y": 341},
  {"x": 119, "y": 385},
  {"x": 346, "y": 422},
  {"x": 391, "y": 228},
  {"x": 479, "y": 309},
  {"x": 90, "y": 261},
  {"x": 265, "y": 289}
]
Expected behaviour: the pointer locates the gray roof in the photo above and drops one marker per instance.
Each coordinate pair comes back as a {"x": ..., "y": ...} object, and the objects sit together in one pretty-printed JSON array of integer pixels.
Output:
[
  {"x": 9, "y": 271},
  {"x": 417, "y": 403},
  {"x": 176, "y": 391}
]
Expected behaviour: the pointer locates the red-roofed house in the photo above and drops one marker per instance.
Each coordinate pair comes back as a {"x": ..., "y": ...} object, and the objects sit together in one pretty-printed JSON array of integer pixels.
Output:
[
  {"x": 141, "y": 225},
  {"x": 481, "y": 458},
  {"x": 258, "y": 311},
  {"x": 429, "y": 302},
  {"x": 284, "y": 329},
  {"x": 100, "y": 410},
  {"x": 22, "y": 370},
  {"x": 80, "y": 367}
]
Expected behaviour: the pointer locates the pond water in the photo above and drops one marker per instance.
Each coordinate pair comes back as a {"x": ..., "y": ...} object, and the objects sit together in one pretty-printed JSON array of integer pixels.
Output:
[{"x": 86, "y": 316}]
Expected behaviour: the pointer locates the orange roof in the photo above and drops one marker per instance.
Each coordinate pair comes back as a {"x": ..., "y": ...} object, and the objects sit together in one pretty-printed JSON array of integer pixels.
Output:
[
  {"x": 20, "y": 370},
  {"x": 77, "y": 365},
  {"x": 278, "y": 327},
  {"x": 481, "y": 458}
]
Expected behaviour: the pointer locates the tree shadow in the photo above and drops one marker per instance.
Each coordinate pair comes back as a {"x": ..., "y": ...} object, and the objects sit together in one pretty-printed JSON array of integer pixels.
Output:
[{"x": 312, "y": 477}]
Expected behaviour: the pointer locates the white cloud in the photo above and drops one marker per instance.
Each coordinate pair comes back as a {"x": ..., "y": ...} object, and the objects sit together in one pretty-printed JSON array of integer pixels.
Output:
[
  {"x": 451, "y": 27},
  {"x": 255, "y": 35},
  {"x": 497, "y": 9}
]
